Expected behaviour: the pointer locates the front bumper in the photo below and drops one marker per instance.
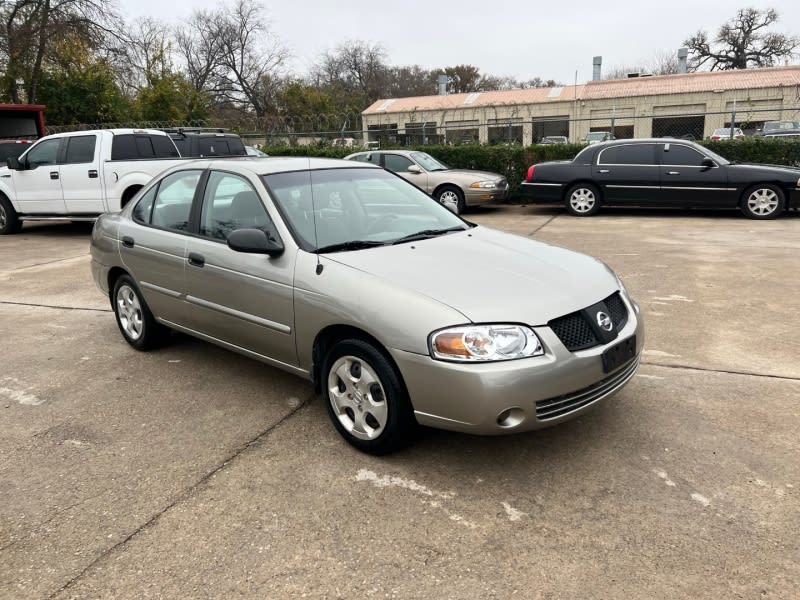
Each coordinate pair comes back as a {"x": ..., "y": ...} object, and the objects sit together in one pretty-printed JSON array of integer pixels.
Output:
[
  {"x": 519, "y": 395},
  {"x": 475, "y": 196}
]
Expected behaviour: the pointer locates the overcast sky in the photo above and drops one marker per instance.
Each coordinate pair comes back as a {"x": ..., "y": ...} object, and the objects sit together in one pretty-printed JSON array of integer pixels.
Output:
[{"x": 520, "y": 38}]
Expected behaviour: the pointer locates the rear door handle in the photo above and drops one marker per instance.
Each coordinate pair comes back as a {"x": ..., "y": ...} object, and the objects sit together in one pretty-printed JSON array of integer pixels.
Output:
[
  {"x": 53, "y": 174},
  {"x": 197, "y": 260},
  {"x": 127, "y": 241},
  {"x": 673, "y": 172},
  {"x": 92, "y": 174},
  {"x": 604, "y": 171}
]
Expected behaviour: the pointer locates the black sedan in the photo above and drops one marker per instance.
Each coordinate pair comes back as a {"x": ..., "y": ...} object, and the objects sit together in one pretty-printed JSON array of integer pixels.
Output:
[{"x": 665, "y": 173}]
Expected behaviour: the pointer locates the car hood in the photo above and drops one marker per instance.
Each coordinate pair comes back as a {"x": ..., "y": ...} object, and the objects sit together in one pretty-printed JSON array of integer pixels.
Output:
[
  {"x": 467, "y": 175},
  {"x": 777, "y": 169},
  {"x": 490, "y": 276}
]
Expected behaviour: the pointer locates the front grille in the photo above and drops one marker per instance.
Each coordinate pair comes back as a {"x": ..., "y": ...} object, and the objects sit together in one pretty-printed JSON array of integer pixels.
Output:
[
  {"x": 552, "y": 408},
  {"x": 576, "y": 333}
]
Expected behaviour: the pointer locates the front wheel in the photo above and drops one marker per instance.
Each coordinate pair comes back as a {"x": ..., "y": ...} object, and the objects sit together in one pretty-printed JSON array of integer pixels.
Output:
[
  {"x": 583, "y": 200},
  {"x": 9, "y": 221},
  {"x": 452, "y": 195},
  {"x": 134, "y": 319},
  {"x": 365, "y": 397},
  {"x": 762, "y": 202}
]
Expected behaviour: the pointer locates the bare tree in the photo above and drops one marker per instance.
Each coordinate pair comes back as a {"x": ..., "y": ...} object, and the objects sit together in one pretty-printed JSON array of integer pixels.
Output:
[
  {"x": 741, "y": 42},
  {"x": 251, "y": 56},
  {"x": 144, "y": 54},
  {"x": 201, "y": 52},
  {"x": 355, "y": 70}
]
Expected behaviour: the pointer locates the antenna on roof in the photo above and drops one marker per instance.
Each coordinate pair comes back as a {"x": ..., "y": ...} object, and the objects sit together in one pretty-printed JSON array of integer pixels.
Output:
[{"x": 320, "y": 266}]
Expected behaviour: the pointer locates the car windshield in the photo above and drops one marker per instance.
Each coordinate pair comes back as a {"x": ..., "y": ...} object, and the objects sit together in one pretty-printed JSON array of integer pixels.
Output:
[
  {"x": 428, "y": 162},
  {"x": 774, "y": 125},
  {"x": 348, "y": 209},
  {"x": 600, "y": 135}
]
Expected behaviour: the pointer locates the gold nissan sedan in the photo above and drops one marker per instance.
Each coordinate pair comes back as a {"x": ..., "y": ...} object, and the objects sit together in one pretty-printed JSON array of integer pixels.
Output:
[{"x": 400, "y": 312}]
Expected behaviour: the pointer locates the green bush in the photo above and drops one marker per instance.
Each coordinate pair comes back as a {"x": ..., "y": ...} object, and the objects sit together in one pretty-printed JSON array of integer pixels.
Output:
[{"x": 513, "y": 161}]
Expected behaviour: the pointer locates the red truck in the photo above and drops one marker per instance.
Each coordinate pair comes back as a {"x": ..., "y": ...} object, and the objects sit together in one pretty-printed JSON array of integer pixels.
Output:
[{"x": 20, "y": 125}]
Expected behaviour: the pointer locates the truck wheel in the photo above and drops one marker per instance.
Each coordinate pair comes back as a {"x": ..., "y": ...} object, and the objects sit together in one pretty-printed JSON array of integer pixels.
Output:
[{"x": 9, "y": 221}]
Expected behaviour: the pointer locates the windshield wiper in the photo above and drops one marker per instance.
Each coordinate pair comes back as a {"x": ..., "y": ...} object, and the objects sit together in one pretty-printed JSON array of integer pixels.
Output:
[
  {"x": 351, "y": 245},
  {"x": 426, "y": 233}
]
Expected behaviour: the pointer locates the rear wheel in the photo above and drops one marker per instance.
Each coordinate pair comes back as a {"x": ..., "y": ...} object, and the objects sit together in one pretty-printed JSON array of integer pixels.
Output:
[
  {"x": 583, "y": 200},
  {"x": 9, "y": 221},
  {"x": 365, "y": 397},
  {"x": 134, "y": 319},
  {"x": 762, "y": 202}
]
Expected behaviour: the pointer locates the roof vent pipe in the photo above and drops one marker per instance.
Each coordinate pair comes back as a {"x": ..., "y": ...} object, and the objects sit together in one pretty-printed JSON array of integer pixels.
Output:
[
  {"x": 683, "y": 54},
  {"x": 441, "y": 81},
  {"x": 597, "y": 63}
]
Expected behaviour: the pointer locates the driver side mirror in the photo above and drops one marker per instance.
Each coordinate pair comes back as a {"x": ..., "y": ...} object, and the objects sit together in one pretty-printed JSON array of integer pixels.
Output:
[
  {"x": 707, "y": 163},
  {"x": 255, "y": 241},
  {"x": 414, "y": 169},
  {"x": 12, "y": 162}
]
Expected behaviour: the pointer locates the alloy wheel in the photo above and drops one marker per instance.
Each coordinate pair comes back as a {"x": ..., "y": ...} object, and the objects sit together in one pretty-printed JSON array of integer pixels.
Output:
[
  {"x": 357, "y": 397},
  {"x": 763, "y": 202},
  {"x": 129, "y": 312},
  {"x": 582, "y": 200}
]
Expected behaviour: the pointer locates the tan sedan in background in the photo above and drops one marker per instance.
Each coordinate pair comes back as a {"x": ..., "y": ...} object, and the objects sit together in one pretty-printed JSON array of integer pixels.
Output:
[{"x": 458, "y": 188}]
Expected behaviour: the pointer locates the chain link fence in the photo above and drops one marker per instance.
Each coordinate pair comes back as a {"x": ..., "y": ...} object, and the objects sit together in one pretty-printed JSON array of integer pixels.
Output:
[{"x": 346, "y": 129}]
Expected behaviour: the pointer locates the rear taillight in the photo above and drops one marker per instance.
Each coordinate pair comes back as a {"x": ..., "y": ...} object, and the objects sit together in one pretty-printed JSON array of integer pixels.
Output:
[{"x": 529, "y": 176}]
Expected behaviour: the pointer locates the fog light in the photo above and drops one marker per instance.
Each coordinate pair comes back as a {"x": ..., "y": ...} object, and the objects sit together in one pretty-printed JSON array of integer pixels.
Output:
[{"x": 510, "y": 417}]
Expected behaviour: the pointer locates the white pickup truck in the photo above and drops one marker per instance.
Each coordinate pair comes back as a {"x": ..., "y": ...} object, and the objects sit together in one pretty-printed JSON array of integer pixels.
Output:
[{"x": 78, "y": 176}]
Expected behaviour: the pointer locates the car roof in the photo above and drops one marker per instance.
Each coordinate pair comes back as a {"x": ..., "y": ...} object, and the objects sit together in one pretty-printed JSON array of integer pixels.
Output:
[{"x": 267, "y": 165}]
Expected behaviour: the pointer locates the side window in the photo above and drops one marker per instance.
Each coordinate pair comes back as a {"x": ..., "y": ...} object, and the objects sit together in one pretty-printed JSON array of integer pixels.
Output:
[
  {"x": 360, "y": 157},
  {"x": 80, "y": 149},
  {"x": 143, "y": 208},
  {"x": 163, "y": 146},
  {"x": 173, "y": 201},
  {"x": 144, "y": 147},
  {"x": 679, "y": 155},
  {"x": 230, "y": 203},
  {"x": 123, "y": 147},
  {"x": 182, "y": 144},
  {"x": 44, "y": 153},
  {"x": 628, "y": 154},
  {"x": 396, "y": 163}
]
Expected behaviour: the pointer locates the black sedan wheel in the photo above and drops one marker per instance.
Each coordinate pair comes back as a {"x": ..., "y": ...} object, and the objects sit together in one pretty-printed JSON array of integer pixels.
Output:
[
  {"x": 135, "y": 321},
  {"x": 583, "y": 200},
  {"x": 762, "y": 202},
  {"x": 366, "y": 399}
]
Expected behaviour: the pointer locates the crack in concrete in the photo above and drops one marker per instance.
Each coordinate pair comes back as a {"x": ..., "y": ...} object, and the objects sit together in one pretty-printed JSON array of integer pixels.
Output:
[
  {"x": 543, "y": 225},
  {"x": 183, "y": 496},
  {"x": 55, "y": 306},
  {"x": 725, "y": 371},
  {"x": 49, "y": 262}
]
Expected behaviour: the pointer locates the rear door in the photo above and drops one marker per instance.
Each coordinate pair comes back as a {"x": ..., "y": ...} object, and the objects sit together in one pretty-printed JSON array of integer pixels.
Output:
[
  {"x": 80, "y": 177},
  {"x": 154, "y": 243},
  {"x": 628, "y": 173},
  {"x": 38, "y": 187},
  {"x": 685, "y": 181}
]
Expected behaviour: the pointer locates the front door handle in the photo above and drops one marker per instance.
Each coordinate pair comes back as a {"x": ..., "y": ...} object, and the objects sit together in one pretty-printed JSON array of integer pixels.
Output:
[
  {"x": 673, "y": 172},
  {"x": 604, "y": 171},
  {"x": 53, "y": 174},
  {"x": 127, "y": 241},
  {"x": 197, "y": 260},
  {"x": 92, "y": 174}
]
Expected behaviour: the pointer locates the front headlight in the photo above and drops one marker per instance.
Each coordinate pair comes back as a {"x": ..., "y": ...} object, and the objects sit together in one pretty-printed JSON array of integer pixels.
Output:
[
  {"x": 484, "y": 185},
  {"x": 481, "y": 343}
]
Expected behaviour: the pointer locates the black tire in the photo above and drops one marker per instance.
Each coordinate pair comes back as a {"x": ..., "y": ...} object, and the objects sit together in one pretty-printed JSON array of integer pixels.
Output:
[
  {"x": 763, "y": 201},
  {"x": 134, "y": 319},
  {"x": 9, "y": 220},
  {"x": 448, "y": 191},
  {"x": 370, "y": 407},
  {"x": 582, "y": 200}
]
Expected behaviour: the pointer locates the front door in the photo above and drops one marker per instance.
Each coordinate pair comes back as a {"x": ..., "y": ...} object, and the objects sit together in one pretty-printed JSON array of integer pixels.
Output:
[
  {"x": 38, "y": 186},
  {"x": 80, "y": 176},
  {"x": 246, "y": 300},
  {"x": 685, "y": 181}
]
